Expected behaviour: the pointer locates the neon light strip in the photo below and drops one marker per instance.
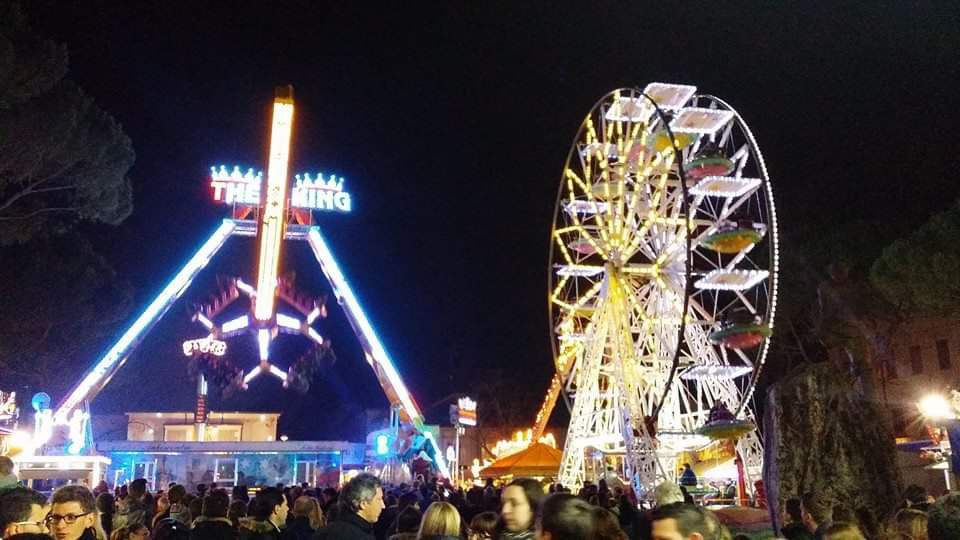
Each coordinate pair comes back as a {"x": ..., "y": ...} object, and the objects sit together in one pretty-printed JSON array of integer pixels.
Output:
[
  {"x": 117, "y": 355},
  {"x": 312, "y": 334},
  {"x": 313, "y": 315},
  {"x": 233, "y": 325},
  {"x": 251, "y": 375},
  {"x": 246, "y": 288},
  {"x": 205, "y": 321},
  {"x": 368, "y": 339},
  {"x": 279, "y": 373},
  {"x": 263, "y": 339},
  {"x": 287, "y": 321},
  {"x": 274, "y": 202},
  {"x": 359, "y": 321}
]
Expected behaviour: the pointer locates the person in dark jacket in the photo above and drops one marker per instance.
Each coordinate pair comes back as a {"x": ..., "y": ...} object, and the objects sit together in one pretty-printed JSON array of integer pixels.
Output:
[
  {"x": 267, "y": 511},
  {"x": 213, "y": 523},
  {"x": 362, "y": 500}
]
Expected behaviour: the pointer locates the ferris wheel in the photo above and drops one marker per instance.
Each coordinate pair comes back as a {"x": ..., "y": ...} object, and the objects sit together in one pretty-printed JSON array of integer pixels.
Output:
[{"x": 663, "y": 279}]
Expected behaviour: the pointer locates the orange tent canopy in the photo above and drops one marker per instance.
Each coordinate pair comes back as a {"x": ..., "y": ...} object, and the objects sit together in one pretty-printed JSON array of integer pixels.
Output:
[{"x": 538, "y": 459}]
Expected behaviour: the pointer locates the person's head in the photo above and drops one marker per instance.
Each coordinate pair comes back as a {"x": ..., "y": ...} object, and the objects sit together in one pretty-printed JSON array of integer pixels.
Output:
[
  {"x": 813, "y": 511},
  {"x": 170, "y": 529},
  {"x": 914, "y": 495},
  {"x": 363, "y": 495},
  {"x": 238, "y": 509},
  {"x": 105, "y": 503},
  {"x": 138, "y": 531},
  {"x": 681, "y": 521},
  {"x": 794, "y": 510},
  {"x": 520, "y": 504},
  {"x": 176, "y": 494},
  {"x": 270, "y": 505},
  {"x": 72, "y": 511},
  {"x": 565, "y": 517},
  {"x": 912, "y": 522},
  {"x": 6, "y": 466},
  {"x": 309, "y": 508},
  {"x": 408, "y": 520},
  {"x": 215, "y": 504},
  {"x": 440, "y": 519},
  {"x": 137, "y": 489},
  {"x": 22, "y": 510},
  {"x": 408, "y": 499},
  {"x": 240, "y": 493},
  {"x": 483, "y": 526},
  {"x": 201, "y": 489},
  {"x": 195, "y": 506},
  {"x": 843, "y": 531},
  {"x": 667, "y": 493},
  {"x": 943, "y": 518}
]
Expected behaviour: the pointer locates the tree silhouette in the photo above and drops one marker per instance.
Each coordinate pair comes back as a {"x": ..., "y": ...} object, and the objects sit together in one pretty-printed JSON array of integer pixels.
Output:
[{"x": 62, "y": 158}]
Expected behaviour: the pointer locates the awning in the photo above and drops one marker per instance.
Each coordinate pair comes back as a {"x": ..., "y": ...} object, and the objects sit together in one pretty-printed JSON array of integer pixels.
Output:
[{"x": 538, "y": 459}]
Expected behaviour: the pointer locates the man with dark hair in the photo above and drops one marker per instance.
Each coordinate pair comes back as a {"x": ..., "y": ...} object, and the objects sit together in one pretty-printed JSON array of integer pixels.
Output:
[
  {"x": 73, "y": 513},
  {"x": 132, "y": 509},
  {"x": 566, "y": 517},
  {"x": 680, "y": 521},
  {"x": 943, "y": 519},
  {"x": 213, "y": 523},
  {"x": 362, "y": 500},
  {"x": 795, "y": 529},
  {"x": 22, "y": 510},
  {"x": 816, "y": 514},
  {"x": 268, "y": 511}
]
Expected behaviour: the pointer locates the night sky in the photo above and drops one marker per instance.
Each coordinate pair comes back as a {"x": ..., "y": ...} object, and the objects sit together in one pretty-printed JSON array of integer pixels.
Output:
[{"x": 451, "y": 124}]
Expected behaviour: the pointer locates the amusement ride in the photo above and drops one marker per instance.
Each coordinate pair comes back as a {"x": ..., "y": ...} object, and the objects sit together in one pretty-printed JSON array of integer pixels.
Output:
[
  {"x": 273, "y": 209},
  {"x": 663, "y": 280}
]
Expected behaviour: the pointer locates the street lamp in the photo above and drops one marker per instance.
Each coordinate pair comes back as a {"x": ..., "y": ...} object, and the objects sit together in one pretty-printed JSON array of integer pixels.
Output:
[{"x": 936, "y": 407}]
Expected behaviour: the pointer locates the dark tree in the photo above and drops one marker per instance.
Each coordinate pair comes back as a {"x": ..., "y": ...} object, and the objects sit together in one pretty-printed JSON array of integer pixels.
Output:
[
  {"x": 62, "y": 158},
  {"x": 61, "y": 304},
  {"x": 922, "y": 269}
]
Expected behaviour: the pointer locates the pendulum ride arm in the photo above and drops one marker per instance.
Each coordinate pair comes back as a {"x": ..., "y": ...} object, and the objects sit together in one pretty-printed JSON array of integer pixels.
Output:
[
  {"x": 374, "y": 351},
  {"x": 99, "y": 375}
]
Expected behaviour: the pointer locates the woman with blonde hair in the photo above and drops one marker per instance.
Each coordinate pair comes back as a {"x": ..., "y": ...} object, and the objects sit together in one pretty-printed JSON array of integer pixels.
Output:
[
  {"x": 912, "y": 523},
  {"x": 306, "y": 519},
  {"x": 843, "y": 531},
  {"x": 441, "y": 521}
]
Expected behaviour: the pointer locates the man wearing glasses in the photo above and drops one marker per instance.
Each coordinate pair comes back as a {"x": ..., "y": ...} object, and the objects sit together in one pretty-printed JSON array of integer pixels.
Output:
[
  {"x": 73, "y": 514},
  {"x": 22, "y": 510}
]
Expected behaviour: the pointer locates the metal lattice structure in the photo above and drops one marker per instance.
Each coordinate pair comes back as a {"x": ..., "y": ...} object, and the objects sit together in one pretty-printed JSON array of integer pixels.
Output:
[{"x": 663, "y": 279}]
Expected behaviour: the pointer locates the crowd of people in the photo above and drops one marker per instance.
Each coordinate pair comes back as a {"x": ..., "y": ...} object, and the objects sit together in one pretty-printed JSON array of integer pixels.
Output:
[{"x": 366, "y": 509}]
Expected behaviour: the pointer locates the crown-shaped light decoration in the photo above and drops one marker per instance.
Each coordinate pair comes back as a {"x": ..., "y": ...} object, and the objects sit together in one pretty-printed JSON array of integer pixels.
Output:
[
  {"x": 333, "y": 183},
  {"x": 235, "y": 175}
]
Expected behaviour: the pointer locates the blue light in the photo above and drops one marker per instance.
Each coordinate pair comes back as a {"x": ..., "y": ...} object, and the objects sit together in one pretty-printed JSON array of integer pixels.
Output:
[
  {"x": 383, "y": 445},
  {"x": 117, "y": 354}
]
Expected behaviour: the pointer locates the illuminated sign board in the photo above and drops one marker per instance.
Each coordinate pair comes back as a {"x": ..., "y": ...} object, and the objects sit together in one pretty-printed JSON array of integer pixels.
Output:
[
  {"x": 467, "y": 409},
  {"x": 204, "y": 346},
  {"x": 309, "y": 192}
]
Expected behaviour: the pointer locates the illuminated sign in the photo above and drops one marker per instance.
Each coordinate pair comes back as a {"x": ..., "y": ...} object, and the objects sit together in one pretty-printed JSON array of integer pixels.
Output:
[
  {"x": 204, "y": 346},
  {"x": 382, "y": 444},
  {"x": 309, "y": 192},
  {"x": 466, "y": 412}
]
